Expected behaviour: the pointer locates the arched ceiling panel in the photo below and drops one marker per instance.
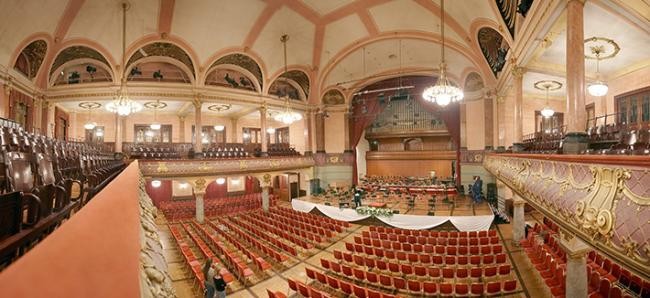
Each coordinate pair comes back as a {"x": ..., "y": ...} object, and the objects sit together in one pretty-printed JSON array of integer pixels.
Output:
[
  {"x": 289, "y": 88},
  {"x": 333, "y": 97},
  {"x": 34, "y": 54},
  {"x": 77, "y": 52},
  {"x": 82, "y": 73},
  {"x": 340, "y": 34},
  {"x": 101, "y": 21},
  {"x": 473, "y": 83},
  {"x": 466, "y": 11},
  {"x": 299, "y": 77},
  {"x": 19, "y": 19},
  {"x": 494, "y": 48},
  {"x": 222, "y": 23},
  {"x": 412, "y": 17},
  {"x": 242, "y": 61},
  {"x": 230, "y": 78},
  {"x": 383, "y": 56},
  {"x": 163, "y": 49},
  {"x": 158, "y": 72},
  {"x": 299, "y": 47}
]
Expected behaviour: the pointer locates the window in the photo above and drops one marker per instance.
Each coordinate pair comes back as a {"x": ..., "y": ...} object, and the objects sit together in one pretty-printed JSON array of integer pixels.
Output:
[
  {"x": 551, "y": 124},
  {"x": 591, "y": 114},
  {"x": 144, "y": 134},
  {"x": 251, "y": 135},
  {"x": 281, "y": 135},
  {"x": 633, "y": 107},
  {"x": 95, "y": 135},
  {"x": 210, "y": 135}
]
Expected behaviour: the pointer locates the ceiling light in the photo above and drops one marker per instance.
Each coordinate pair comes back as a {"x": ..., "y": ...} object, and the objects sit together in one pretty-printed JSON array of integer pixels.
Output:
[
  {"x": 601, "y": 48},
  {"x": 221, "y": 180},
  {"x": 246, "y": 135},
  {"x": 90, "y": 125},
  {"x": 598, "y": 88},
  {"x": 99, "y": 133},
  {"x": 270, "y": 130},
  {"x": 122, "y": 105},
  {"x": 547, "y": 85},
  {"x": 443, "y": 92},
  {"x": 219, "y": 127},
  {"x": 156, "y": 183},
  {"x": 155, "y": 126}
]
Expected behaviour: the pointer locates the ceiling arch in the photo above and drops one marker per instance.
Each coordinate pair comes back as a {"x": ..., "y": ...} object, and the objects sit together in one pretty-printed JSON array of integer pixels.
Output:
[
  {"x": 31, "y": 58},
  {"x": 244, "y": 61},
  {"x": 77, "y": 52},
  {"x": 163, "y": 49}
]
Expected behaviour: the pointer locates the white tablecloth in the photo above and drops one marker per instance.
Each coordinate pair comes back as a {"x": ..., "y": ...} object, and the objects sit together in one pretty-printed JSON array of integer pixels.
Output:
[{"x": 402, "y": 221}]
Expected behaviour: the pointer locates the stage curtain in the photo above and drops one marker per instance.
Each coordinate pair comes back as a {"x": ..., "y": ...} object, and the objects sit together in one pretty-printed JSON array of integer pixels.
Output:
[
  {"x": 159, "y": 194},
  {"x": 358, "y": 122}
]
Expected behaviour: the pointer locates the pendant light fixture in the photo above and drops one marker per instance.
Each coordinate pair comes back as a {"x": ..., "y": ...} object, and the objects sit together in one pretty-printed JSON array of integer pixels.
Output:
[
  {"x": 122, "y": 105},
  {"x": 547, "y": 85},
  {"x": 600, "y": 46},
  {"x": 155, "y": 125},
  {"x": 90, "y": 124},
  {"x": 443, "y": 92},
  {"x": 287, "y": 115}
]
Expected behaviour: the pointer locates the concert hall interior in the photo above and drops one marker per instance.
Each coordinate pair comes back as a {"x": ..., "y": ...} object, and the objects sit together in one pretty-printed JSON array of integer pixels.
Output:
[{"x": 325, "y": 148}]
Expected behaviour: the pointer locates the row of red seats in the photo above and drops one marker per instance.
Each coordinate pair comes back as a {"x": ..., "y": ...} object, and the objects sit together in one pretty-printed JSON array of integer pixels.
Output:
[
  {"x": 261, "y": 264},
  {"x": 416, "y": 286},
  {"x": 232, "y": 260},
  {"x": 291, "y": 227},
  {"x": 186, "y": 209},
  {"x": 448, "y": 248},
  {"x": 305, "y": 290},
  {"x": 432, "y": 239},
  {"x": 279, "y": 232},
  {"x": 414, "y": 256},
  {"x": 415, "y": 271},
  {"x": 345, "y": 287},
  {"x": 315, "y": 217},
  {"x": 323, "y": 222},
  {"x": 614, "y": 273},
  {"x": 207, "y": 253},
  {"x": 259, "y": 233},
  {"x": 269, "y": 251},
  {"x": 426, "y": 259},
  {"x": 435, "y": 234},
  {"x": 188, "y": 255},
  {"x": 302, "y": 225}
]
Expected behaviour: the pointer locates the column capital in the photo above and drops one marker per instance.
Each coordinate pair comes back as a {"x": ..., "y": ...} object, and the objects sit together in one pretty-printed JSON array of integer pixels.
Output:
[
  {"x": 573, "y": 246},
  {"x": 199, "y": 186},
  {"x": 518, "y": 71},
  {"x": 579, "y": 1},
  {"x": 196, "y": 101},
  {"x": 181, "y": 117}
]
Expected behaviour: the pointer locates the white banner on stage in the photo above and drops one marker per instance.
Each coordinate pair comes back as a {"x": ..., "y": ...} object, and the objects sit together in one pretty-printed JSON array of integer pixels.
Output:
[{"x": 402, "y": 221}]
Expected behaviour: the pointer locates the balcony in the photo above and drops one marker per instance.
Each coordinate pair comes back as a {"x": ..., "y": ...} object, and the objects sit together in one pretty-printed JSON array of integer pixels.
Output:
[{"x": 601, "y": 199}]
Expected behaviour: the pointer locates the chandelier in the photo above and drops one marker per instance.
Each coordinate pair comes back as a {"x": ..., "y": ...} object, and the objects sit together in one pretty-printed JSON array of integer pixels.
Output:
[
  {"x": 157, "y": 105},
  {"x": 599, "y": 87},
  {"x": 547, "y": 85},
  {"x": 90, "y": 125},
  {"x": 443, "y": 92},
  {"x": 122, "y": 105},
  {"x": 287, "y": 115}
]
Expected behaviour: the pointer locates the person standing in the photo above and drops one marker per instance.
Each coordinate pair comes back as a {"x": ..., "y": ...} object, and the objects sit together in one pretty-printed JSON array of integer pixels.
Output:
[
  {"x": 477, "y": 188},
  {"x": 208, "y": 275},
  {"x": 219, "y": 286},
  {"x": 357, "y": 197}
]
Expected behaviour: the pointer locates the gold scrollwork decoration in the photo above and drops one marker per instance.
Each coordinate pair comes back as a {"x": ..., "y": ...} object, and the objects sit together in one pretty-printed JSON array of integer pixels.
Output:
[
  {"x": 162, "y": 167},
  {"x": 594, "y": 212}
]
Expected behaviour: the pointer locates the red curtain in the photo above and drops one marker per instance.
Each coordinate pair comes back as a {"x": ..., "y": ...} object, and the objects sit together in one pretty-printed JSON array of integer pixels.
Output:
[
  {"x": 251, "y": 185},
  {"x": 360, "y": 119},
  {"x": 159, "y": 194},
  {"x": 215, "y": 190}
]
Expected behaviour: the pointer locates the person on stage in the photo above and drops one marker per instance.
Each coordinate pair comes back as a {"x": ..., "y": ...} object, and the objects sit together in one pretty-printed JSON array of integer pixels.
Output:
[{"x": 477, "y": 188}]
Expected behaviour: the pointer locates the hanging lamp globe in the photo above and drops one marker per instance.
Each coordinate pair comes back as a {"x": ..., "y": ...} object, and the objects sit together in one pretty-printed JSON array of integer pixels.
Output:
[
  {"x": 155, "y": 126},
  {"x": 598, "y": 88},
  {"x": 547, "y": 112},
  {"x": 90, "y": 125}
]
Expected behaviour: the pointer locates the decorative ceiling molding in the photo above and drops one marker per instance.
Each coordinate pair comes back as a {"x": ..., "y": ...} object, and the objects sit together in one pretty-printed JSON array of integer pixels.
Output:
[
  {"x": 165, "y": 16},
  {"x": 164, "y": 49}
]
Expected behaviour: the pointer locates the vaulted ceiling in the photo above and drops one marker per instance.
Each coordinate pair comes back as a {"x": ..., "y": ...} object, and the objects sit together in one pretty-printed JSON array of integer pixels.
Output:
[{"x": 337, "y": 43}]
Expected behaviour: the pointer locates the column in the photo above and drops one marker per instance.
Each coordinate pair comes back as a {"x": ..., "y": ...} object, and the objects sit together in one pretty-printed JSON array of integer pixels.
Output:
[
  {"x": 265, "y": 198},
  {"x": 5, "y": 91},
  {"x": 518, "y": 74},
  {"x": 233, "y": 130},
  {"x": 198, "y": 126},
  {"x": 72, "y": 132},
  {"x": 118, "y": 133},
  {"x": 320, "y": 132},
  {"x": 263, "y": 140},
  {"x": 199, "y": 191},
  {"x": 50, "y": 119},
  {"x": 463, "y": 124},
  {"x": 346, "y": 130},
  {"x": 488, "y": 105},
  {"x": 518, "y": 222},
  {"x": 576, "y": 117},
  {"x": 124, "y": 129},
  {"x": 576, "y": 265},
  {"x": 181, "y": 129},
  {"x": 38, "y": 114},
  {"x": 309, "y": 117}
]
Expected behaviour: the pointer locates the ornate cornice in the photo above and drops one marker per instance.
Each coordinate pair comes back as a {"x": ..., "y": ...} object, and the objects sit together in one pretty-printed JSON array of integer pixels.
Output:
[
  {"x": 603, "y": 204},
  {"x": 207, "y": 167}
]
